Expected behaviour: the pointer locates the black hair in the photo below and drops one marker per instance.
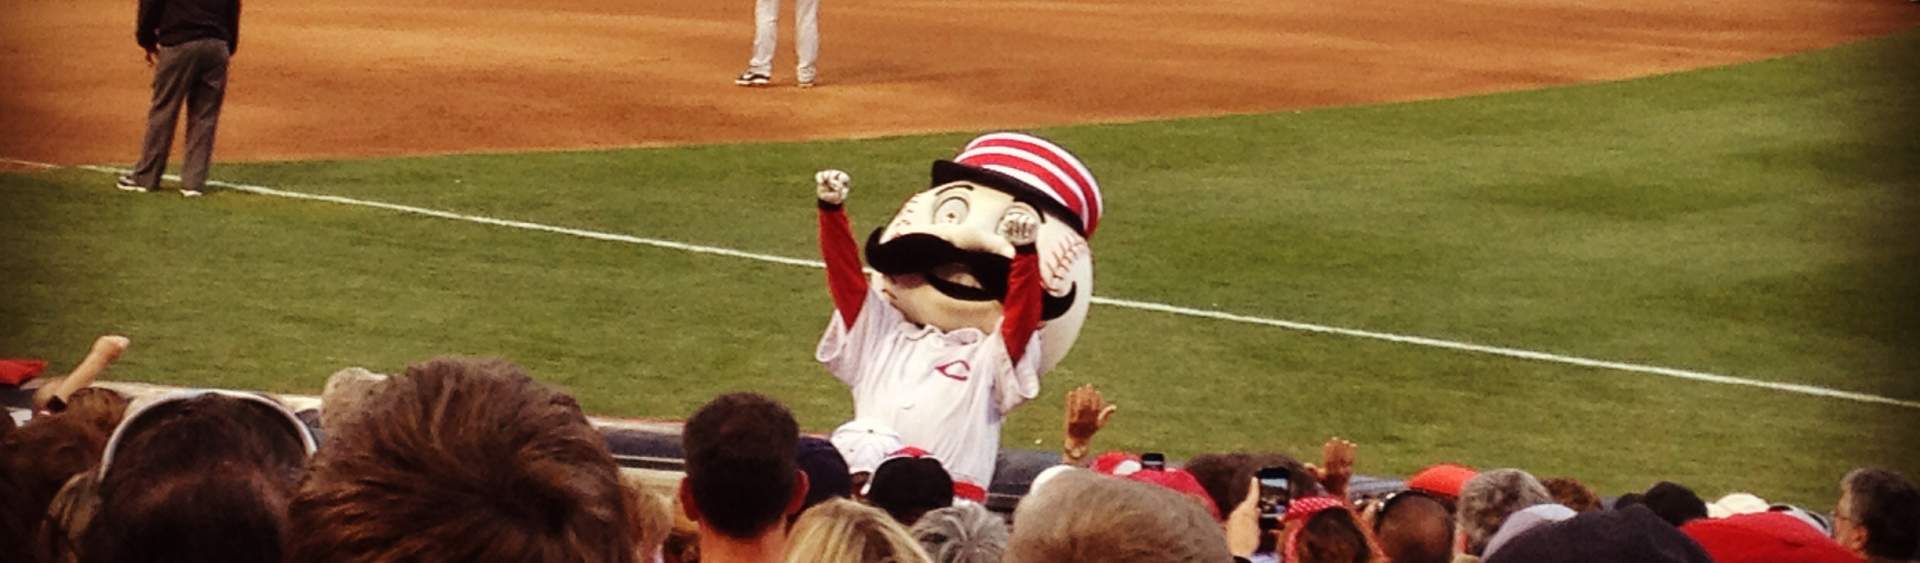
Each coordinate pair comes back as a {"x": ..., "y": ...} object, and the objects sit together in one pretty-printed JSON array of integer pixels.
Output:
[{"x": 740, "y": 462}]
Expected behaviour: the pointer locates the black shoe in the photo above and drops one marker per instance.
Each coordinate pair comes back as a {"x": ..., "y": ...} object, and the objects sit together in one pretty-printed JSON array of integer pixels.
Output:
[{"x": 751, "y": 78}]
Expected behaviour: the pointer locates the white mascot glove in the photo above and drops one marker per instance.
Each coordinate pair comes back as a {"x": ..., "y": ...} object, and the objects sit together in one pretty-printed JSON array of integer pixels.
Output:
[
  {"x": 832, "y": 186},
  {"x": 1021, "y": 229}
]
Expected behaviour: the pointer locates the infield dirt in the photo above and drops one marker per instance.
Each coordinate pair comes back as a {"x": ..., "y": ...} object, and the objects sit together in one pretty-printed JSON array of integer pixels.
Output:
[{"x": 351, "y": 78}]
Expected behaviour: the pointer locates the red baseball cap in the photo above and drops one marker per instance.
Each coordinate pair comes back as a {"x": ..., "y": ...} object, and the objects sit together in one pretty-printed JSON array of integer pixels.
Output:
[
  {"x": 1765, "y": 537},
  {"x": 1181, "y": 482},
  {"x": 1445, "y": 479}
]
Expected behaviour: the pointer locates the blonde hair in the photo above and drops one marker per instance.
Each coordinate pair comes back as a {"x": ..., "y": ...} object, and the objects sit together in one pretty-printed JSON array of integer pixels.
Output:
[{"x": 843, "y": 531}]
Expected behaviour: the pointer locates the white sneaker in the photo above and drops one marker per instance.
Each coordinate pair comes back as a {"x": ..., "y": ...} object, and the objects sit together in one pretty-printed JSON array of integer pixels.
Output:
[
  {"x": 127, "y": 183},
  {"x": 190, "y": 193},
  {"x": 751, "y": 78}
]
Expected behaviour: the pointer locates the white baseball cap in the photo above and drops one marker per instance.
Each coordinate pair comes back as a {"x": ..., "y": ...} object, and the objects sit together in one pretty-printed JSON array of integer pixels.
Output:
[{"x": 865, "y": 444}]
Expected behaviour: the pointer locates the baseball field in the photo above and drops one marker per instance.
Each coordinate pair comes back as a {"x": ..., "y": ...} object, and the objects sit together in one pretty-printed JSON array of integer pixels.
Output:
[{"x": 1622, "y": 241}]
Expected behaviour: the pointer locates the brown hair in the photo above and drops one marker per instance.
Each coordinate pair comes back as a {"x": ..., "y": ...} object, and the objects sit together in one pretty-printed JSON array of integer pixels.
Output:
[
  {"x": 37, "y": 459},
  {"x": 1335, "y": 536},
  {"x": 1415, "y": 528},
  {"x": 651, "y": 518},
  {"x": 463, "y": 460},
  {"x": 204, "y": 478},
  {"x": 1227, "y": 476},
  {"x": 1084, "y": 516},
  {"x": 1572, "y": 494}
]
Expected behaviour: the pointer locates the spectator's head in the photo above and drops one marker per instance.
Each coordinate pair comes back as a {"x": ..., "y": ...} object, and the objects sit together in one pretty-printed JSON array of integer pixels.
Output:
[
  {"x": 1226, "y": 477},
  {"x": 1180, "y": 481},
  {"x": 1674, "y": 503},
  {"x": 652, "y": 517},
  {"x": 1488, "y": 498},
  {"x": 963, "y": 533},
  {"x": 1878, "y": 516},
  {"x": 40, "y": 457},
  {"x": 1323, "y": 530},
  {"x": 1572, "y": 494},
  {"x": 345, "y": 392},
  {"x": 1734, "y": 504},
  {"x": 1629, "y": 500},
  {"x": 1415, "y": 527},
  {"x": 741, "y": 481},
  {"x": 463, "y": 460},
  {"x": 1633, "y": 535},
  {"x": 1082, "y": 516},
  {"x": 197, "y": 476},
  {"x": 1443, "y": 481},
  {"x": 1526, "y": 520},
  {"x": 843, "y": 531},
  {"x": 907, "y": 487},
  {"x": 827, "y": 473},
  {"x": 1765, "y": 537}
]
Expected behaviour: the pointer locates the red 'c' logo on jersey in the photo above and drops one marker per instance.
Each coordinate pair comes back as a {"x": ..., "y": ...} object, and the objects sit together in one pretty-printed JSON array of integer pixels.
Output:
[{"x": 957, "y": 370}]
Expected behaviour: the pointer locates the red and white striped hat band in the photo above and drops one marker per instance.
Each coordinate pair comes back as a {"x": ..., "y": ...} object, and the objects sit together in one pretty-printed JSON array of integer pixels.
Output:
[{"x": 1042, "y": 166}]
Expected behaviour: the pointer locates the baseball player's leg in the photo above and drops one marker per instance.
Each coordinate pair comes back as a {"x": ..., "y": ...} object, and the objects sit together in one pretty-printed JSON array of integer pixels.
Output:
[
  {"x": 806, "y": 42},
  {"x": 766, "y": 34},
  {"x": 169, "y": 89},
  {"x": 209, "y": 89}
]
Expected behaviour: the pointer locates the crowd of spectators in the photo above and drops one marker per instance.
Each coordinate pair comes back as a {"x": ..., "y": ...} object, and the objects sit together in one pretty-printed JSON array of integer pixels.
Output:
[{"x": 473, "y": 460}]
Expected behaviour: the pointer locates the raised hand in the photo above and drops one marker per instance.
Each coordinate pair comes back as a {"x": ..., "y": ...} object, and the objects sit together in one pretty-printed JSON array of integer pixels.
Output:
[
  {"x": 1337, "y": 459},
  {"x": 1087, "y": 413},
  {"x": 832, "y": 186}
]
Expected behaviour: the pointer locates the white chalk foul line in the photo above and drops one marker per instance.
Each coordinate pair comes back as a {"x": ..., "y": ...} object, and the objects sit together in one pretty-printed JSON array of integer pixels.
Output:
[
  {"x": 29, "y": 163},
  {"x": 1108, "y": 301}
]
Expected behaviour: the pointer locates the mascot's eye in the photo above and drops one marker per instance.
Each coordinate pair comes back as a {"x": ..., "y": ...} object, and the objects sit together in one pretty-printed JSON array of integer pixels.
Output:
[{"x": 951, "y": 211}]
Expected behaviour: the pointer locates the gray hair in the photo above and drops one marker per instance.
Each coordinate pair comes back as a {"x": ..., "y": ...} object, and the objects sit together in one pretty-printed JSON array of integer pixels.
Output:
[
  {"x": 1490, "y": 497},
  {"x": 962, "y": 533},
  {"x": 1886, "y": 505}
]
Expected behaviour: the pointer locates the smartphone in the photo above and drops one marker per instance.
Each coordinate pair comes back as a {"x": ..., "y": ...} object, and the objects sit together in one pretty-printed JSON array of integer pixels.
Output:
[
  {"x": 1153, "y": 461},
  {"x": 1276, "y": 490}
]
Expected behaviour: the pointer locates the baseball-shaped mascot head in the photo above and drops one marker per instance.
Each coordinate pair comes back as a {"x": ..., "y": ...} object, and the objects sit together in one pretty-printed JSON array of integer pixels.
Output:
[{"x": 944, "y": 258}]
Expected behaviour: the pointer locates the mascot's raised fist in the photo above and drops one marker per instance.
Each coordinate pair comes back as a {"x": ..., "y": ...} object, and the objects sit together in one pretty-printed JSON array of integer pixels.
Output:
[
  {"x": 832, "y": 186},
  {"x": 1021, "y": 229}
]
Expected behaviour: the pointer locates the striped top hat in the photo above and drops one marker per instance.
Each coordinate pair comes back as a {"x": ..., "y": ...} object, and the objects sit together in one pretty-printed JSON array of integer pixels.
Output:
[{"x": 1034, "y": 170}]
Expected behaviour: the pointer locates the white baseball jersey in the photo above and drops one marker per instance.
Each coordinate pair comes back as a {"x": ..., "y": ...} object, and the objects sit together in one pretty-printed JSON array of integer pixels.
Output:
[{"x": 944, "y": 392}]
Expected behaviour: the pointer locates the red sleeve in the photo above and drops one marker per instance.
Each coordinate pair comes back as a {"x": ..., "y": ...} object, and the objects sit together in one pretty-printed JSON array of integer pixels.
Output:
[
  {"x": 845, "y": 280},
  {"x": 1022, "y": 314}
]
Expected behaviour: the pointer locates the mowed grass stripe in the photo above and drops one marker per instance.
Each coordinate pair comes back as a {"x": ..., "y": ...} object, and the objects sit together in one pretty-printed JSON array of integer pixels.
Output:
[{"x": 1108, "y": 301}]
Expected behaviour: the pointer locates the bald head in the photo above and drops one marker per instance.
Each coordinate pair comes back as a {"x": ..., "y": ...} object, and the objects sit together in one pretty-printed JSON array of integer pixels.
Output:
[{"x": 1416, "y": 529}]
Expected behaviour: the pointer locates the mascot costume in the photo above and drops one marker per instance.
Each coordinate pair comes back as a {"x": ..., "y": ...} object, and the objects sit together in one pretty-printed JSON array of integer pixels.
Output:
[{"x": 980, "y": 284}]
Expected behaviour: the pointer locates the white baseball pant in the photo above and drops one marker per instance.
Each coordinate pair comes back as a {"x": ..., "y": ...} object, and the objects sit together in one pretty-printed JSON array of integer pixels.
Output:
[{"x": 766, "y": 34}]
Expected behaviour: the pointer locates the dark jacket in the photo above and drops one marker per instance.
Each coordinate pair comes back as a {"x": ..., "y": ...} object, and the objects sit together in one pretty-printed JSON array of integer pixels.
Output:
[{"x": 172, "y": 22}]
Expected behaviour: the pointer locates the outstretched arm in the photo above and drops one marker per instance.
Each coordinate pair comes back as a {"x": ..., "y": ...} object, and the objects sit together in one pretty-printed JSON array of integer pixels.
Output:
[
  {"x": 1021, "y": 315},
  {"x": 105, "y": 350},
  {"x": 845, "y": 280}
]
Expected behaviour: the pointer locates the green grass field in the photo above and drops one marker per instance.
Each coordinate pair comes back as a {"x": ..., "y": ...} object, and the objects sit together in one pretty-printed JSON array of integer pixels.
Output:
[{"x": 1752, "y": 221}]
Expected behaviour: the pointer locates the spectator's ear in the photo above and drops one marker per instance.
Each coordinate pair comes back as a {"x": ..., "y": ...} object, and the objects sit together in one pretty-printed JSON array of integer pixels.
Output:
[
  {"x": 1856, "y": 541},
  {"x": 685, "y": 496},
  {"x": 799, "y": 500}
]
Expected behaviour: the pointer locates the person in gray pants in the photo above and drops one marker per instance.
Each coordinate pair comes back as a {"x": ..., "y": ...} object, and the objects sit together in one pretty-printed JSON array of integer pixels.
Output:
[{"x": 188, "y": 43}]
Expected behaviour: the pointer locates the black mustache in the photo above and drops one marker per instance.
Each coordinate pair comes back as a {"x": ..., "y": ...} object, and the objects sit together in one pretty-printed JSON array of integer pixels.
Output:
[{"x": 920, "y": 253}]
